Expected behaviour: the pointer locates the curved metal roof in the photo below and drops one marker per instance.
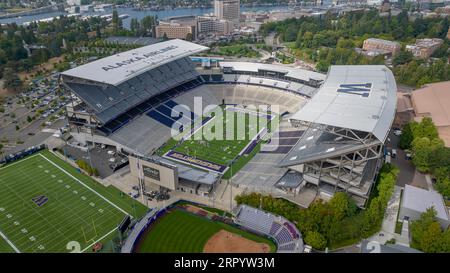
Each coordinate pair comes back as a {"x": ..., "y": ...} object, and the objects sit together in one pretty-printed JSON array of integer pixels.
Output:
[
  {"x": 121, "y": 67},
  {"x": 356, "y": 97}
]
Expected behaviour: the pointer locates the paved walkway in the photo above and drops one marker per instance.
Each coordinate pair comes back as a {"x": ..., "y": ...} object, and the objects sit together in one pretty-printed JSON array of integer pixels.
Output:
[
  {"x": 387, "y": 231},
  {"x": 429, "y": 183}
]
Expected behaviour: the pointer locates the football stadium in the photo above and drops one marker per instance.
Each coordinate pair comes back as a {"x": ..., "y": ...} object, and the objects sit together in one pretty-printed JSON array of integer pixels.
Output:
[{"x": 199, "y": 132}]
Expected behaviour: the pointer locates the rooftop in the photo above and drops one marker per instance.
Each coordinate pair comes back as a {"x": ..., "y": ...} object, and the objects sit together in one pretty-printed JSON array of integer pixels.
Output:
[
  {"x": 387, "y": 42},
  {"x": 356, "y": 97},
  {"x": 296, "y": 73},
  {"x": 316, "y": 144},
  {"x": 433, "y": 101},
  {"x": 121, "y": 67},
  {"x": 420, "y": 200}
]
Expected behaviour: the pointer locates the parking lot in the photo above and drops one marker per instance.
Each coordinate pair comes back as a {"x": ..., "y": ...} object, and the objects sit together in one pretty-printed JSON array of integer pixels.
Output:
[
  {"x": 103, "y": 159},
  {"x": 408, "y": 173}
]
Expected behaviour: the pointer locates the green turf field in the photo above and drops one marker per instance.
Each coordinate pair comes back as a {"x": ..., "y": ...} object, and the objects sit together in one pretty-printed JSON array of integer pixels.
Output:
[
  {"x": 236, "y": 136},
  {"x": 182, "y": 232},
  {"x": 77, "y": 210}
]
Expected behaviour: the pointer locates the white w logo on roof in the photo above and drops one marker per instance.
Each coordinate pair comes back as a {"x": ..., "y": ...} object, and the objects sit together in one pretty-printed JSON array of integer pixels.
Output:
[{"x": 362, "y": 89}]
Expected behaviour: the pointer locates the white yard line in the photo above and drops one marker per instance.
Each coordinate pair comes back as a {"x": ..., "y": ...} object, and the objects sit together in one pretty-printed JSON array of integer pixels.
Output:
[
  {"x": 9, "y": 242},
  {"x": 104, "y": 236},
  {"x": 76, "y": 179},
  {"x": 196, "y": 130}
]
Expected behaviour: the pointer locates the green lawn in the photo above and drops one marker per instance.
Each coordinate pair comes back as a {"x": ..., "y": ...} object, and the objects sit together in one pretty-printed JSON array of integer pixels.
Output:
[
  {"x": 222, "y": 151},
  {"x": 5, "y": 247},
  {"x": 78, "y": 208},
  {"x": 182, "y": 232}
]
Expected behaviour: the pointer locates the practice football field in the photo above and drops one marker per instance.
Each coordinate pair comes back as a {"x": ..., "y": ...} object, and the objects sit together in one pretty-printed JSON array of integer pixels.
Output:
[{"x": 45, "y": 205}]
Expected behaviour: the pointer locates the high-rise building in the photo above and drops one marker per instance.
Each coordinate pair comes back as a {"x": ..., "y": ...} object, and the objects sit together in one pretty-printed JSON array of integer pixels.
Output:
[{"x": 227, "y": 9}]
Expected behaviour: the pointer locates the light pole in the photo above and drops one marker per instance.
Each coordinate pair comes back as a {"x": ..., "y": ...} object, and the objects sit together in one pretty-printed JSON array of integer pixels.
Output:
[{"x": 230, "y": 182}]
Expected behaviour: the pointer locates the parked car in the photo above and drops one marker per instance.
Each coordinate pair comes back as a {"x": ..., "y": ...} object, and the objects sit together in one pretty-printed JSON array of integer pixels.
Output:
[
  {"x": 397, "y": 132},
  {"x": 394, "y": 153}
]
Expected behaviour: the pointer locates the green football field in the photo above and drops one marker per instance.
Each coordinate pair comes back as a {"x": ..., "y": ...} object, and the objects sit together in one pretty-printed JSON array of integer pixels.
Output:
[
  {"x": 47, "y": 206},
  {"x": 238, "y": 131},
  {"x": 182, "y": 232}
]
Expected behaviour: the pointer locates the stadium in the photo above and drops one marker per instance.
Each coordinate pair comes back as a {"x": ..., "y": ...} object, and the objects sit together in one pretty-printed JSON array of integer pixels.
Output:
[
  {"x": 205, "y": 130},
  {"x": 325, "y": 134}
]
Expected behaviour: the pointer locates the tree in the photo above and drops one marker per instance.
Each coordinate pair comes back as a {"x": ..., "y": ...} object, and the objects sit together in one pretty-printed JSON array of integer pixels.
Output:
[
  {"x": 315, "y": 240},
  {"x": 407, "y": 136},
  {"x": 115, "y": 20},
  {"x": 426, "y": 233},
  {"x": 422, "y": 148},
  {"x": 189, "y": 37},
  {"x": 11, "y": 80},
  {"x": 341, "y": 206},
  {"x": 443, "y": 186},
  {"x": 402, "y": 57},
  {"x": 425, "y": 128}
]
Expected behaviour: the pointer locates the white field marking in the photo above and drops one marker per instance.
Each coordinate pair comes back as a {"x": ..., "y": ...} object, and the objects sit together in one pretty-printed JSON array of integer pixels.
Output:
[
  {"x": 76, "y": 179},
  {"x": 104, "y": 236},
  {"x": 17, "y": 162},
  {"x": 9, "y": 242},
  {"x": 196, "y": 130}
]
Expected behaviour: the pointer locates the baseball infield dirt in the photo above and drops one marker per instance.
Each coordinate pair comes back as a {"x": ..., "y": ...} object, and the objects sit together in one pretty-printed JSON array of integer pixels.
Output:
[{"x": 227, "y": 242}]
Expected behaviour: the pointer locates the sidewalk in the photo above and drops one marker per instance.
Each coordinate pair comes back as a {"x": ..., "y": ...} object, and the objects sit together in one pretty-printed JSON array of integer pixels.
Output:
[{"x": 390, "y": 219}]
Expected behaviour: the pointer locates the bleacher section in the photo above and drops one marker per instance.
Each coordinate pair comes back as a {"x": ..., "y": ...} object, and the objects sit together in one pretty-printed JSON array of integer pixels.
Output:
[
  {"x": 167, "y": 114},
  {"x": 294, "y": 87},
  {"x": 257, "y": 95},
  {"x": 286, "y": 235},
  {"x": 109, "y": 102},
  {"x": 147, "y": 105}
]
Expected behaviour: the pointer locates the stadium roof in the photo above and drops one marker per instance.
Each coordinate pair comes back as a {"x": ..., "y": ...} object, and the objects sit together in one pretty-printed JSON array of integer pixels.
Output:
[
  {"x": 420, "y": 200},
  {"x": 316, "y": 144},
  {"x": 356, "y": 97},
  {"x": 121, "y": 67},
  {"x": 296, "y": 73}
]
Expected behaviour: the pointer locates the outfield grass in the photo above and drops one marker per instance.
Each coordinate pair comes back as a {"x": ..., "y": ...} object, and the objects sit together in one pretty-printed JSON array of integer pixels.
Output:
[
  {"x": 78, "y": 209},
  {"x": 182, "y": 232}
]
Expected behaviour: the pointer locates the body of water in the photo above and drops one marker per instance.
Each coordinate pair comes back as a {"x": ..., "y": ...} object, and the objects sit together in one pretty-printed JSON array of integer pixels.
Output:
[{"x": 137, "y": 14}]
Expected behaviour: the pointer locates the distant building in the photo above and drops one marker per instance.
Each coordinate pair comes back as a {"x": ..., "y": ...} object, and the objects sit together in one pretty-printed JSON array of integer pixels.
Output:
[
  {"x": 416, "y": 201},
  {"x": 73, "y": 2},
  {"x": 432, "y": 101},
  {"x": 126, "y": 40},
  {"x": 424, "y": 48},
  {"x": 207, "y": 24},
  {"x": 175, "y": 30},
  {"x": 381, "y": 47},
  {"x": 227, "y": 9}
]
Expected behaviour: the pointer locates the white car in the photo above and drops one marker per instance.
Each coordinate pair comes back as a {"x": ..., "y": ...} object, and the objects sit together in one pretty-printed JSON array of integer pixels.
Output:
[{"x": 397, "y": 132}]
